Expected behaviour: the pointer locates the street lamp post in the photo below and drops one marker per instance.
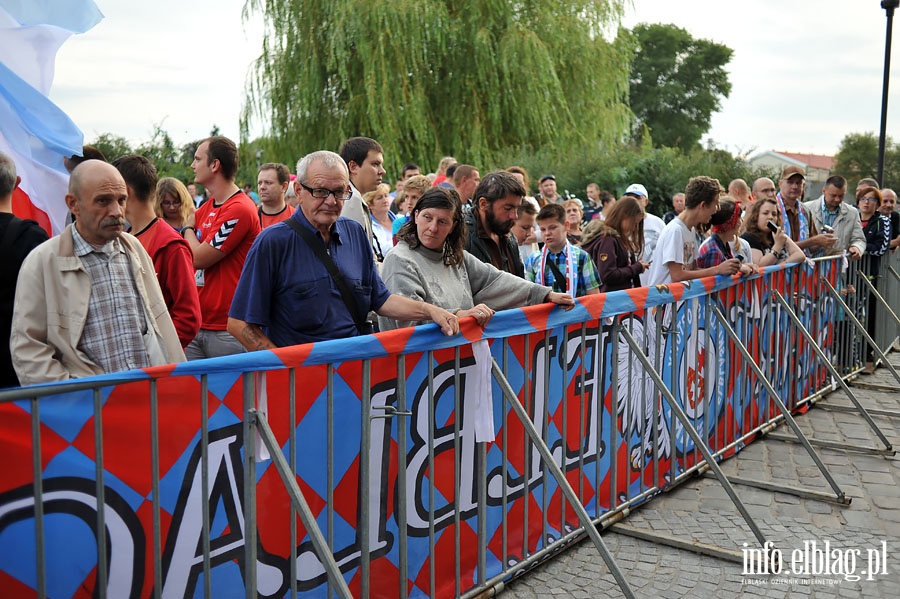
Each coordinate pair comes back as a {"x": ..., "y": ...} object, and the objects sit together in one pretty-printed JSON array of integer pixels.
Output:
[{"x": 888, "y": 6}]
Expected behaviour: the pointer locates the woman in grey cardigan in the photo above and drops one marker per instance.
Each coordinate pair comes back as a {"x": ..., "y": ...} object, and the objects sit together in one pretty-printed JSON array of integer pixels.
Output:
[{"x": 429, "y": 264}]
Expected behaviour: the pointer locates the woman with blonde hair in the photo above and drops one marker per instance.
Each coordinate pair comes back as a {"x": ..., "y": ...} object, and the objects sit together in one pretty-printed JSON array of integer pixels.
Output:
[
  {"x": 173, "y": 202},
  {"x": 379, "y": 202},
  {"x": 574, "y": 218}
]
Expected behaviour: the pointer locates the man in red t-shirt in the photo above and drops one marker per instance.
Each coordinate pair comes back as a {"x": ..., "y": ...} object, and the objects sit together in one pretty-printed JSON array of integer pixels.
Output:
[
  {"x": 171, "y": 255},
  {"x": 272, "y": 182},
  {"x": 220, "y": 234}
]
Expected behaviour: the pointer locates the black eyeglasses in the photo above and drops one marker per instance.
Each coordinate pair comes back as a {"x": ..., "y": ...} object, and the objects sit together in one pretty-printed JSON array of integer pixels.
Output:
[{"x": 320, "y": 193}]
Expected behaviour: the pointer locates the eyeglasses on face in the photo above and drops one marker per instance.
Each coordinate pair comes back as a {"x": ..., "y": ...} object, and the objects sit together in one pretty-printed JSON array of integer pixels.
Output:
[
  {"x": 320, "y": 193},
  {"x": 171, "y": 203}
]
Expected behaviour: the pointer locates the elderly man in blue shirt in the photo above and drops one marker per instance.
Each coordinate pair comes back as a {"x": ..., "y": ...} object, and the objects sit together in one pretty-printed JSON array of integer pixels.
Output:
[{"x": 286, "y": 294}]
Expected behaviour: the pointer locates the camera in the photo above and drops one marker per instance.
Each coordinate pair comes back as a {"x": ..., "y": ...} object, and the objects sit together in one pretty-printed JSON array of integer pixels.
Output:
[{"x": 827, "y": 229}]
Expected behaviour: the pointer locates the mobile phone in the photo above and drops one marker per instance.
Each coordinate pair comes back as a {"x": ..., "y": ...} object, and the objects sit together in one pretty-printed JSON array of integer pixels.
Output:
[
  {"x": 740, "y": 258},
  {"x": 827, "y": 229},
  {"x": 772, "y": 226}
]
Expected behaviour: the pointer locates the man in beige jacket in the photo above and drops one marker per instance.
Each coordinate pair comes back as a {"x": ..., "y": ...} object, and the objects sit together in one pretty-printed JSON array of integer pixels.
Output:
[{"x": 87, "y": 301}]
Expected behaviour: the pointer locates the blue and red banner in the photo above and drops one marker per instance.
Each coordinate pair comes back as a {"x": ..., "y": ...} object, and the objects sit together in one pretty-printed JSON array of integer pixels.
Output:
[{"x": 588, "y": 397}]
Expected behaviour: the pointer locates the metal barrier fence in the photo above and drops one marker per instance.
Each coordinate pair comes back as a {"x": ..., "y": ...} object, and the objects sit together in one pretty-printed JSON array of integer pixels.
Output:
[{"x": 408, "y": 464}]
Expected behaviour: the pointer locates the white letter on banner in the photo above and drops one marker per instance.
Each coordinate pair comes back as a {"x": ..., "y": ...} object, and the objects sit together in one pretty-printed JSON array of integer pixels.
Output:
[
  {"x": 416, "y": 491},
  {"x": 67, "y": 495},
  {"x": 310, "y": 571},
  {"x": 183, "y": 558}
]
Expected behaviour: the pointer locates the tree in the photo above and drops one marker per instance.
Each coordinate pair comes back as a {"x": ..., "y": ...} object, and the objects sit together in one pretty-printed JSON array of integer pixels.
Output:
[
  {"x": 162, "y": 152},
  {"x": 857, "y": 158},
  {"x": 677, "y": 83},
  {"x": 434, "y": 77},
  {"x": 112, "y": 146}
]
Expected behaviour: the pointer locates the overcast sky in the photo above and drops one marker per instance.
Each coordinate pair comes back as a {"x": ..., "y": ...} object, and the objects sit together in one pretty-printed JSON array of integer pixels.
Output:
[{"x": 804, "y": 72}]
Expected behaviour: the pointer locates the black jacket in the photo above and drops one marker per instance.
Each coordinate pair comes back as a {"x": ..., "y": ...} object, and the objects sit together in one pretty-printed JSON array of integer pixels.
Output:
[{"x": 477, "y": 246}]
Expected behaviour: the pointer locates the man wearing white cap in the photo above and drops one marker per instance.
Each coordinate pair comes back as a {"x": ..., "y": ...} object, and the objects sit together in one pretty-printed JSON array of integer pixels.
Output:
[{"x": 653, "y": 226}]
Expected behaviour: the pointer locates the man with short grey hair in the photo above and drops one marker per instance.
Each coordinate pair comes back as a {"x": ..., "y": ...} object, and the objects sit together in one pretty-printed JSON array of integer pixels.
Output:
[{"x": 289, "y": 295}]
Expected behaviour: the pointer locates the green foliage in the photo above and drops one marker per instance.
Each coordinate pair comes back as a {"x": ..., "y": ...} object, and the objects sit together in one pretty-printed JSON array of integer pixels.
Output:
[
  {"x": 169, "y": 160},
  {"x": 433, "y": 77},
  {"x": 677, "y": 83},
  {"x": 165, "y": 156},
  {"x": 857, "y": 158},
  {"x": 112, "y": 146},
  {"x": 663, "y": 171}
]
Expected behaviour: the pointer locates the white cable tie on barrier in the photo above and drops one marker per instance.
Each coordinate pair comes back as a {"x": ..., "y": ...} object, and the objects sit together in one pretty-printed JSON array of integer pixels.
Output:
[
  {"x": 262, "y": 406},
  {"x": 484, "y": 402}
]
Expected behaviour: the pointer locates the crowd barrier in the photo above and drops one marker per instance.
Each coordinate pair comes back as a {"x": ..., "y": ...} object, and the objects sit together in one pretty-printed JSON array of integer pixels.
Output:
[{"x": 409, "y": 464}]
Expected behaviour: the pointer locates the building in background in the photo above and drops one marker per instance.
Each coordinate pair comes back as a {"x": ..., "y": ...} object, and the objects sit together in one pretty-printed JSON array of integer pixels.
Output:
[{"x": 817, "y": 167}]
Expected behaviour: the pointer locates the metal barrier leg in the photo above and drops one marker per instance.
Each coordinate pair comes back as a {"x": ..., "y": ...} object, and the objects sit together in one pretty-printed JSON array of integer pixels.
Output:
[
  {"x": 250, "y": 580},
  {"x": 299, "y": 502},
  {"x": 834, "y": 373},
  {"x": 698, "y": 441},
  {"x": 881, "y": 299},
  {"x": 102, "y": 564},
  {"x": 560, "y": 477},
  {"x": 862, "y": 329},
  {"x": 37, "y": 472},
  {"x": 723, "y": 322}
]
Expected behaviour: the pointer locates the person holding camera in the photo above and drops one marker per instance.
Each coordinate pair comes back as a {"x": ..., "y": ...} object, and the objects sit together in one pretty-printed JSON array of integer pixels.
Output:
[{"x": 835, "y": 217}]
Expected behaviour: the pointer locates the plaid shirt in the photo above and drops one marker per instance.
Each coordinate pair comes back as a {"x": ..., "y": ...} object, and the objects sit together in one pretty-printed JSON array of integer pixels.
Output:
[
  {"x": 587, "y": 277},
  {"x": 713, "y": 252},
  {"x": 112, "y": 336}
]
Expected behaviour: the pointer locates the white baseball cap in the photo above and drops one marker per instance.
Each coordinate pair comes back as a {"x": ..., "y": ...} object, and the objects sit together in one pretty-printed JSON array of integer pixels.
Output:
[{"x": 637, "y": 189}]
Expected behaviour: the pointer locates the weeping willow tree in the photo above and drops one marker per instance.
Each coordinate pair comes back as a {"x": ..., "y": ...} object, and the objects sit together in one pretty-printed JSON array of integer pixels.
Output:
[{"x": 471, "y": 78}]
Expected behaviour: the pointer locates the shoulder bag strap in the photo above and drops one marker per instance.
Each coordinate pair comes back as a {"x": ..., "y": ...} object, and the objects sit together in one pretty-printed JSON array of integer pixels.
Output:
[
  {"x": 331, "y": 267},
  {"x": 558, "y": 276}
]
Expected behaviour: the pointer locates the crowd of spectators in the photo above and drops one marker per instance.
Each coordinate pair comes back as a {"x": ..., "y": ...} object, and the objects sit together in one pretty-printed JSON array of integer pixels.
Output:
[{"x": 152, "y": 272}]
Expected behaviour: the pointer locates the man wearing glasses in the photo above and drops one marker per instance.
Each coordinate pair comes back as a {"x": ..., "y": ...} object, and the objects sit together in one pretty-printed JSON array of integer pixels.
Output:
[
  {"x": 226, "y": 226},
  {"x": 287, "y": 296}
]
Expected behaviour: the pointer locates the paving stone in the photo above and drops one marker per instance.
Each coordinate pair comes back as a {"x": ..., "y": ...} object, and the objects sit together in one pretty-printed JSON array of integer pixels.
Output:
[{"x": 699, "y": 509}]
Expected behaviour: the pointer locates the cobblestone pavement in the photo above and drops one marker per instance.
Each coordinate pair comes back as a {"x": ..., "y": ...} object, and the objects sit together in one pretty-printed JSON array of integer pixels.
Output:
[{"x": 700, "y": 510}]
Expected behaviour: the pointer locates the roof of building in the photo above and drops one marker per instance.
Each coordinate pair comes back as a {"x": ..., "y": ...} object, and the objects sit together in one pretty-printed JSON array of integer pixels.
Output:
[{"x": 812, "y": 160}]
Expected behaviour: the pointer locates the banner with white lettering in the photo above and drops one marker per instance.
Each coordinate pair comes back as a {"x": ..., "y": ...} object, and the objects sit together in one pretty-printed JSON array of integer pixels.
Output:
[{"x": 586, "y": 392}]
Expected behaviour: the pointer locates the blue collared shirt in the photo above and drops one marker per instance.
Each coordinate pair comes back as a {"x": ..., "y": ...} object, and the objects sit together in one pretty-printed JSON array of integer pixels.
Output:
[{"x": 286, "y": 289}]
